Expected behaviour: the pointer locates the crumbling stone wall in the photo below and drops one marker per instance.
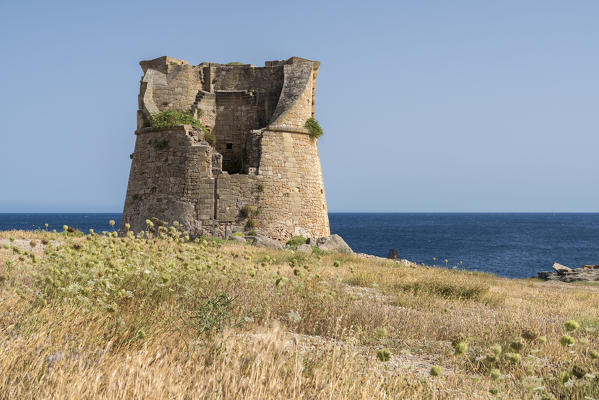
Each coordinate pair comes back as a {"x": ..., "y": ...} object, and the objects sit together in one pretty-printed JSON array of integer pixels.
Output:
[{"x": 263, "y": 159}]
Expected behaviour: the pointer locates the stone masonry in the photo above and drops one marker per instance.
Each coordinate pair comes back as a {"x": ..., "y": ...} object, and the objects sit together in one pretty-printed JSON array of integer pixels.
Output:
[{"x": 263, "y": 173}]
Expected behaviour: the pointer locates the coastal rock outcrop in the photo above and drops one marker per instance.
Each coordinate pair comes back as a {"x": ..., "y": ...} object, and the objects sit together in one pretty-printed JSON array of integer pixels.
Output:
[
  {"x": 587, "y": 273},
  {"x": 561, "y": 269}
]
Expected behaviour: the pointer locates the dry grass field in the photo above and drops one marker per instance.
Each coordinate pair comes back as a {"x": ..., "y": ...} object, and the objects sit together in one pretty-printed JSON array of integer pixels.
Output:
[{"x": 105, "y": 317}]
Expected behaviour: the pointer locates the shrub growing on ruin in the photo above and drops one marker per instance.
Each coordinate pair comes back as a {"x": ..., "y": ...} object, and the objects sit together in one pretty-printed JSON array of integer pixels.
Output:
[
  {"x": 235, "y": 63},
  {"x": 248, "y": 211},
  {"x": 313, "y": 127},
  {"x": 296, "y": 241},
  {"x": 171, "y": 118},
  {"x": 209, "y": 137},
  {"x": 250, "y": 224}
]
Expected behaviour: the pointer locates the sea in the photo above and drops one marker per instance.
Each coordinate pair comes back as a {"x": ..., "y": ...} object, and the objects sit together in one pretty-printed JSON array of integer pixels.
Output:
[{"x": 512, "y": 245}]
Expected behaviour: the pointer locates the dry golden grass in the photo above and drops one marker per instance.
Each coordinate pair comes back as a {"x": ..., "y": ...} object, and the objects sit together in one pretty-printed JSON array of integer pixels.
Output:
[{"x": 100, "y": 317}]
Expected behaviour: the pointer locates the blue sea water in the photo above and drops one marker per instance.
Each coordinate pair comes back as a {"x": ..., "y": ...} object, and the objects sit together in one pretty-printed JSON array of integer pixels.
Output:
[{"x": 510, "y": 245}]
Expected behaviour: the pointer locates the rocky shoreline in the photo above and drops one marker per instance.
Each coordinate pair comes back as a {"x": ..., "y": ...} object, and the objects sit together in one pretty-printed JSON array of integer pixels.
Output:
[{"x": 586, "y": 273}]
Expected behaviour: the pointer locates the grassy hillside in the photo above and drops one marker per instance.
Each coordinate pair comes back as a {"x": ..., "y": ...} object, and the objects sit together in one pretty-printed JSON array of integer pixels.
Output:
[{"x": 98, "y": 316}]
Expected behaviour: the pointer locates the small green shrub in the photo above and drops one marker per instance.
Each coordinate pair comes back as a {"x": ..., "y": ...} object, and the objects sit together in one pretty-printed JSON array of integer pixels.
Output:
[
  {"x": 567, "y": 341},
  {"x": 235, "y": 63},
  {"x": 571, "y": 325},
  {"x": 495, "y": 374},
  {"x": 594, "y": 354},
  {"x": 209, "y": 137},
  {"x": 248, "y": 211},
  {"x": 317, "y": 251},
  {"x": 296, "y": 241},
  {"x": 213, "y": 313},
  {"x": 313, "y": 127},
  {"x": 261, "y": 188},
  {"x": 446, "y": 289},
  {"x": 383, "y": 355},
  {"x": 517, "y": 345},
  {"x": 245, "y": 211},
  {"x": 237, "y": 234},
  {"x": 435, "y": 370},
  {"x": 250, "y": 224},
  {"x": 170, "y": 118},
  {"x": 461, "y": 348},
  {"x": 380, "y": 333}
]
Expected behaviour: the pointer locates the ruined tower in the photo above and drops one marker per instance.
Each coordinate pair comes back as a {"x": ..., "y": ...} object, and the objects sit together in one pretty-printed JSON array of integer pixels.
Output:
[{"x": 262, "y": 172}]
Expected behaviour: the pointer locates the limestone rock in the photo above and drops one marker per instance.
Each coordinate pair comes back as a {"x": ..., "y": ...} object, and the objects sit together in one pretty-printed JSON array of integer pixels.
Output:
[
  {"x": 304, "y": 248},
  {"x": 561, "y": 269},
  {"x": 264, "y": 241},
  {"x": 239, "y": 239},
  {"x": 333, "y": 243}
]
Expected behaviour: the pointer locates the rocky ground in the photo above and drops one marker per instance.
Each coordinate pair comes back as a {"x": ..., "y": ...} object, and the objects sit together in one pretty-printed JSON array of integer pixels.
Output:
[{"x": 586, "y": 273}]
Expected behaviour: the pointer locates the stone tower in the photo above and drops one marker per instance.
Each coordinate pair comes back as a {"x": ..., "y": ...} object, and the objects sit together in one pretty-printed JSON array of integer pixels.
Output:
[{"x": 262, "y": 172}]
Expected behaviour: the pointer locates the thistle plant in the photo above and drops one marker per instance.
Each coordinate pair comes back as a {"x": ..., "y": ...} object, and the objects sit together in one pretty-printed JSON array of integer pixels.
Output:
[
  {"x": 461, "y": 347},
  {"x": 567, "y": 340},
  {"x": 571, "y": 325},
  {"x": 517, "y": 345},
  {"x": 435, "y": 370},
  {"x": 496, "y": 349},
  {"x": 495, "y": 374},
  {"x": 383, "y": 355}
]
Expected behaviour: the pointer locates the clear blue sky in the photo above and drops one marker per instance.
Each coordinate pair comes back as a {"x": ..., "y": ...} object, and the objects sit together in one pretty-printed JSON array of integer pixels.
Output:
[{"x": 426, "y": 105}]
